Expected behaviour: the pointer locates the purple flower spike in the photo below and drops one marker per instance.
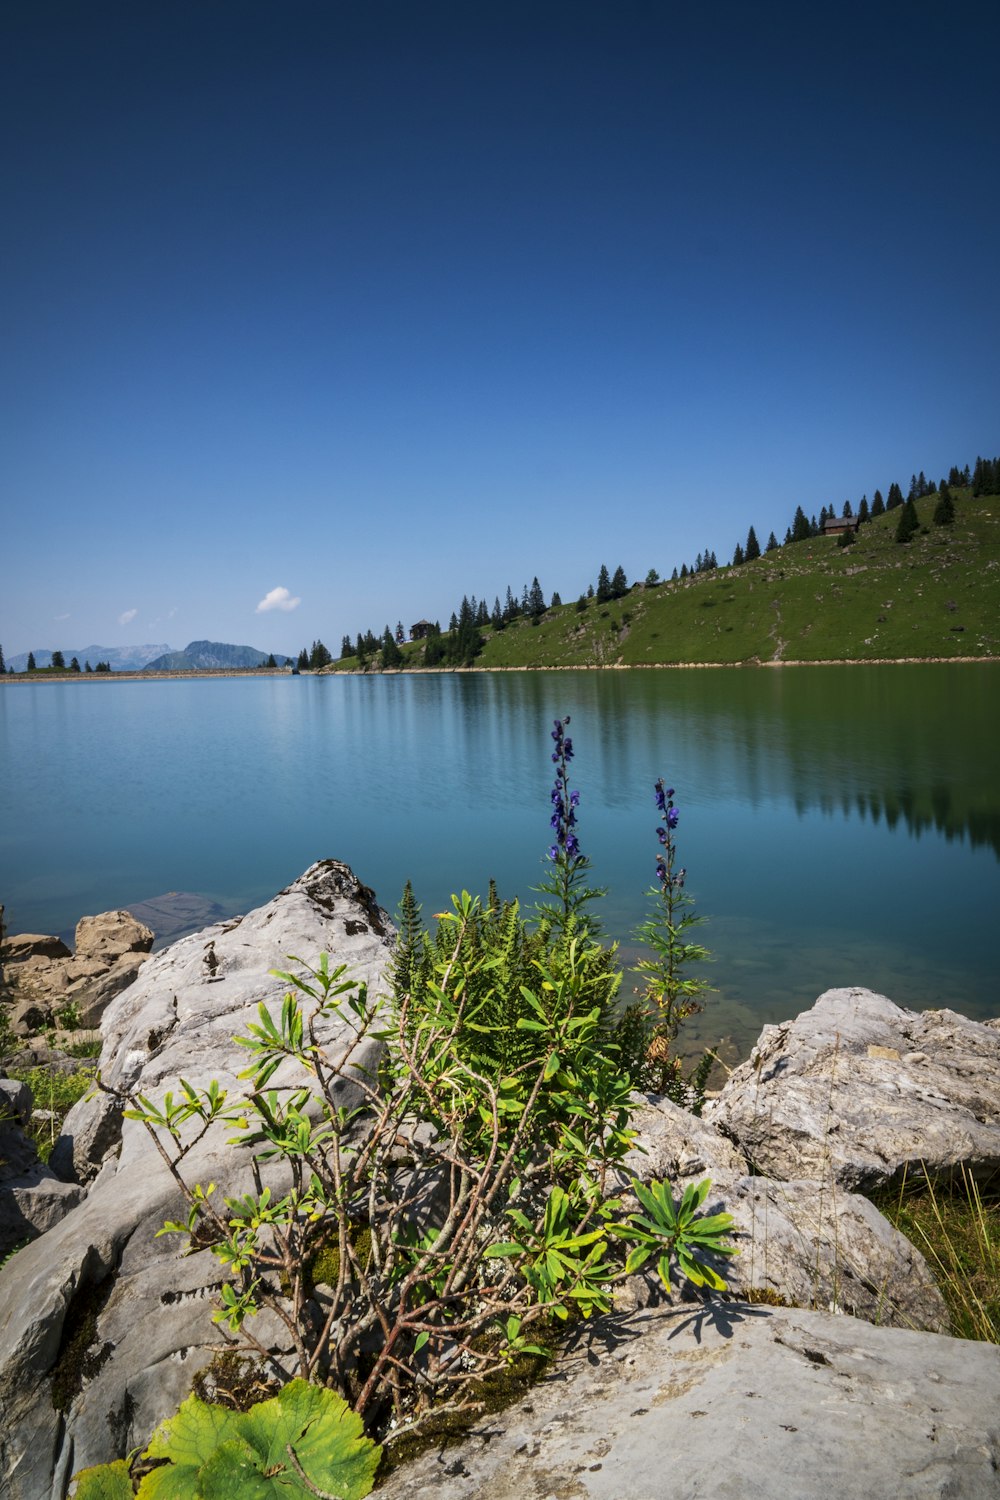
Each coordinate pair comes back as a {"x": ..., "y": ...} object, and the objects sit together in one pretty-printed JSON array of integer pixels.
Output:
[{"x": 673, "y": 817}]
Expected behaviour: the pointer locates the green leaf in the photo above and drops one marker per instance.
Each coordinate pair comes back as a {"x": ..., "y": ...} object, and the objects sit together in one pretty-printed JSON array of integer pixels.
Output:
[
  {"x": 326, "y": 1435},
  {"x": 236, "y": 1472},
  {"x": 105, "y": 1482},
  {"x": 215, "y": 1454}
]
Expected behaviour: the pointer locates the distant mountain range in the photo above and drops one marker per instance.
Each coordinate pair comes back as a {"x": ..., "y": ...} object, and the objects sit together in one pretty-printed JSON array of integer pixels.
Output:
[
  {"x": 161, "y": 658},
  {"x": 201, "y": 654},
  {"x": 119, "y": 658}
]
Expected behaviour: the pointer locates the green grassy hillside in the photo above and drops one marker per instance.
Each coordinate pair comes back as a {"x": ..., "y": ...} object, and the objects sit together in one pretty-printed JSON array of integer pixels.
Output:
[{"x": 936, "y": 596}]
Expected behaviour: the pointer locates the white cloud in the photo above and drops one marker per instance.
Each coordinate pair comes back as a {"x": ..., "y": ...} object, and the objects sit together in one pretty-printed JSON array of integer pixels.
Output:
[
  {"x": 127, "y": 617},
  {"x": 61, "y": 617},
  {"x": 277, "y": 599}
]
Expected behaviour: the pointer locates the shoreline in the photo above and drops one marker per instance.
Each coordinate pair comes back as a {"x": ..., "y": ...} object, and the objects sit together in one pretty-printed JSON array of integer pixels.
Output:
[{"x": 646, "y": 666}]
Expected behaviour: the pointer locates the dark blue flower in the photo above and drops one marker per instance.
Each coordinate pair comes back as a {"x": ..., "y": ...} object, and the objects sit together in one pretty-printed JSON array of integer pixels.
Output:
[{"x": 673, "y": 817}]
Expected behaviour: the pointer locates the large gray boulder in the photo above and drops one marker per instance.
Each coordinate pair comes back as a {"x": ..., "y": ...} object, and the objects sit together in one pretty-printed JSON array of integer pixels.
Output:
[
  {"x": 858, "y": 1090},
  {"x": 735, "y": 1402},
  {"x": 99, "y": 1316},
  {"x": 805, "y": 1243}
]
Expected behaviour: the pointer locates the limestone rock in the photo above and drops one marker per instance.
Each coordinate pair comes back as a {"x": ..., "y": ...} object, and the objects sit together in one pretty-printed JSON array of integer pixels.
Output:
[
  {"x": 858, "y": 1089},
  {"x": 93, "y": 993},
  {"x": 15, "y": 1101},
  {"x": 108, "y": 936},
  {"x": 151, "y": 1308},
  {"x": 32, "y": 1198},
  {"x": 42, "y": 975},
  {"x": 809, "y": 1243},
  {"x": 27, "y": 945},
  {"x": 736, "y": 1402}
]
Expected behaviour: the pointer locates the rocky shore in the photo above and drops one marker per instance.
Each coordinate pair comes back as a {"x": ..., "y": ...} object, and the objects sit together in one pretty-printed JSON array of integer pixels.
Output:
[{"x": 827, "y": 1367}]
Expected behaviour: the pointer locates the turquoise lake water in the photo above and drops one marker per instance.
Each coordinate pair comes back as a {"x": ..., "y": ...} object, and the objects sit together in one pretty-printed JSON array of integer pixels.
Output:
[{"x": 839, "y": 825}]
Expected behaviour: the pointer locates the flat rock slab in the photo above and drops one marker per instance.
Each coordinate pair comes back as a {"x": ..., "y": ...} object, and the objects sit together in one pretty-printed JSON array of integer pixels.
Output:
[
  {"x": 859, "y": 1090},
  {"x": 140, "y": 1313},
  {"x": 731, "y": 1402}
]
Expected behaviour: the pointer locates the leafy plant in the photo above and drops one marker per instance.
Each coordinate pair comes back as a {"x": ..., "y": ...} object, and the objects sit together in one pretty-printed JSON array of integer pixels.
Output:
[
  {"x": 671, "y": 1230},
  {"x": 442, "y": 1156},
  {"x": 303, "y": 1442}
]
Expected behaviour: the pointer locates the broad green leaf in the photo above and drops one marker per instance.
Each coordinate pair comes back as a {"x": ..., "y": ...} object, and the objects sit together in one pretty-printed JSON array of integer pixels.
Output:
[
  {"x": 236, "y": 1472},
  {"x": 326, "y": 1435},
  {"x": 190, "y": 1437},
  {"x": 105, "y": 1482}
]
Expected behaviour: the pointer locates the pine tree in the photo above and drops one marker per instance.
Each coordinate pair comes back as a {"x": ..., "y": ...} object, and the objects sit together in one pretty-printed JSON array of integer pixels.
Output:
[
  {"x": 87, "y": 667},
  {"x": 556, "y": 601},
  {"x": 400, "y": 633},
  {"x": 603, "y": 585},
  {"x": 536, "y": 600},
  {"x": 3, "y": 664},
  {"x": 271, "y": 661},
  {"x": 772, "y": 543},
  {"x": 619, "y": 583},
  {"x": 346, "y": 647},
  {"x": 847, "y": 538},
  {"x": 74, "y": 665},
  {"x": 302, "y": 661},
  {"x": 863, "y": 510},
  {"x": 800, "y": 526},
  {"x": 31, "y": 661},
  {"x": 684, "y": 570},
  {"x": 923, "y": 488},
  {"x": 752, "y": 549},
  {"x": 878, "y": 505},
  {"x": 58, "y": 661},
  {"x": 944, "y": 511},
  {"x": 698, "y": 563},
  {"x": 909, "y": 523},
  {"x": 391, "y": 654},
  {"x": 673, "y": 576},
  {"x": 847, "y": 512},
  {"x": 482, "y": 614},
  {"x": 895, "y": 497},
  {"x": 510, "y": 610},
  {"x": 652, "y": 578},
  {"x": 453, "y": 622},
  {"x": 497, "y": 618},
  {"x": 738, "y": 557},
  {"x": 788, "y": 536},
  {"x": 319, "y": 656}
]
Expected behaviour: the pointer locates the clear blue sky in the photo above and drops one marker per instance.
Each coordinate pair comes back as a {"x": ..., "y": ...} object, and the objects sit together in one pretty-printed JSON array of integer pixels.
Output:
[{"x": 382, "y": 303}]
